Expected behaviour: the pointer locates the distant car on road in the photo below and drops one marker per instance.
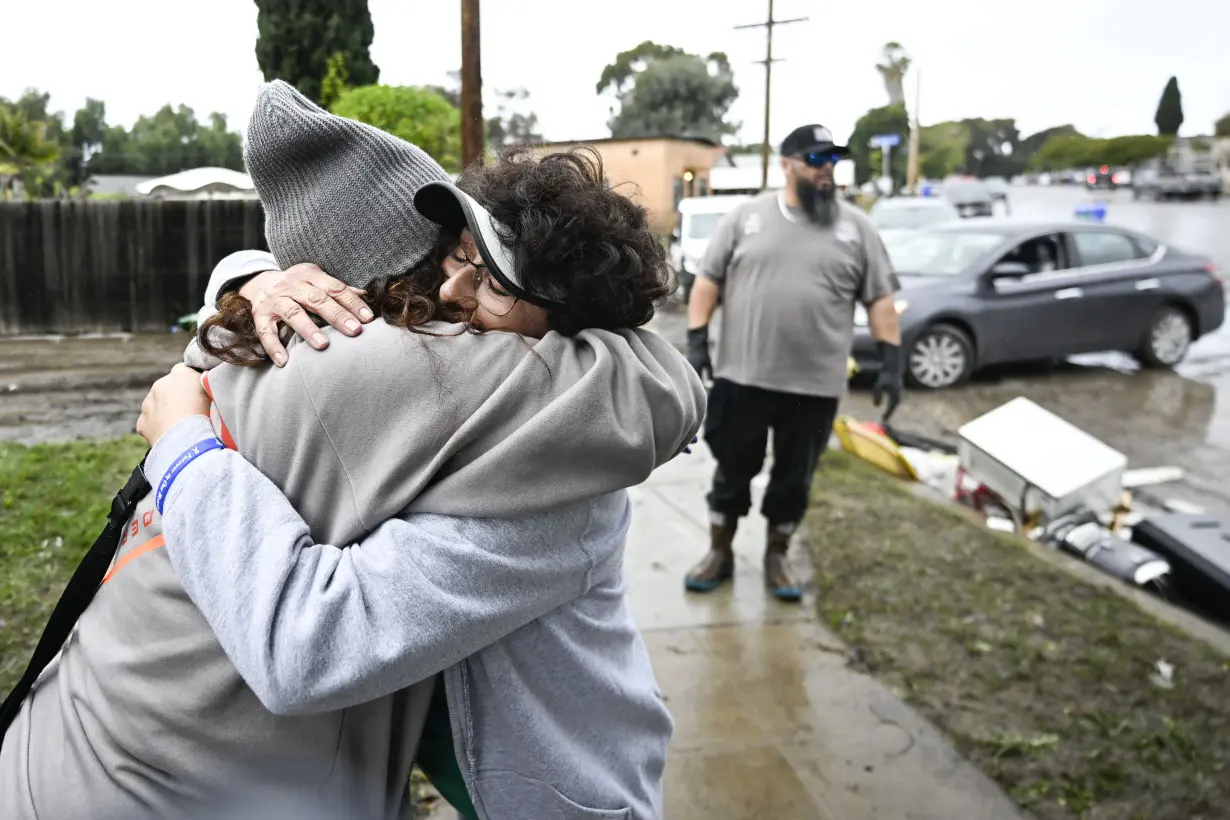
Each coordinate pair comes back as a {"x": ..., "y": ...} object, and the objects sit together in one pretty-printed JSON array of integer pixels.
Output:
[
  {"x": 1101, "y": 177},
  {"x": 998, "y": 186},
  {"x": 1160, "y": 182},
  {"x": 977, "y": 293},
  {"x": 971, "y": 197},
  {"x": 904, "y": 212}
]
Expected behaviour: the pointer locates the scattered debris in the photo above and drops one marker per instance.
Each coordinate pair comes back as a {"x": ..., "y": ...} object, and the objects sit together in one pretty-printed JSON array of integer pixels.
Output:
[
  {"x": 1163, "y": 677},
  {"x": 1148, "y": 476},
  {"x": 1040, "y": 463},
  {"x": 995, "y": 522},
  {"x": 1031, "y": 472}
]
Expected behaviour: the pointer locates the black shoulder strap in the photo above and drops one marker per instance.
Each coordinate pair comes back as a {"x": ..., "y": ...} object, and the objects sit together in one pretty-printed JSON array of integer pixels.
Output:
[{"x": 77, "y": 595}]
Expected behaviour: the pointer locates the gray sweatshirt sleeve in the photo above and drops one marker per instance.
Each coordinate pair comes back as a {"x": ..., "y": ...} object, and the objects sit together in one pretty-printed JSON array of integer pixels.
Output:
[{"x": 315, "y": 627}]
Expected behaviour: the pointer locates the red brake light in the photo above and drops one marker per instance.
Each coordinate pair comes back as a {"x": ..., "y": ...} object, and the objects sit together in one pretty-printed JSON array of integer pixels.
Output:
[
  {"x": 1091, "y": 179},
  {"x": 1105, "y": 169},
  {"x": 1211, "y": 269}
]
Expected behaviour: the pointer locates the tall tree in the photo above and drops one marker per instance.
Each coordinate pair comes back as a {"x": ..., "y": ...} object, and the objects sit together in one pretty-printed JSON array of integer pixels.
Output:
[
  {"x": 85, "y": 139},
  {"x": 25, "y": 147},
  {"x": 298, "y": 37},
  {"x": 1169, "y": 116},
  {"x": 894, "y": 63},
  {"x": 992, "y": 147},
  {"x": 336, "y": 79},
  {"x": 417, "y": 115},
  {"x": 664, "y": 90},
  {"x": 514, "y": 123},
  {"x": 891, "y": 119},
  {"x": 1221, "y": 128},
  {"x": 511, "y": 126}
]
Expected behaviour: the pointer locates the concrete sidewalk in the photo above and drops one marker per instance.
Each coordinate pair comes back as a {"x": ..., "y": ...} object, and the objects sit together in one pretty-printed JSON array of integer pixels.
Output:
[{"x": 769, "y": 721}]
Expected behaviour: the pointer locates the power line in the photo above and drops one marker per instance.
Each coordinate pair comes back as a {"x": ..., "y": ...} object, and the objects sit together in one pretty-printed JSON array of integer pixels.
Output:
[{"x": 768, "y": 62}]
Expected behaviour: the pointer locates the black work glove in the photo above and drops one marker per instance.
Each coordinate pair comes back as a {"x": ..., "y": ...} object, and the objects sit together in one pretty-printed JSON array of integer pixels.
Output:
[
  {"x": 698, "y": 351},
  {"x": 889, "y": 380}
]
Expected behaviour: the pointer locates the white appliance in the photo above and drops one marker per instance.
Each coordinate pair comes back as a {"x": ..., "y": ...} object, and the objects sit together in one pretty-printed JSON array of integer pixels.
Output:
[{"x": 1036, "y": 461}]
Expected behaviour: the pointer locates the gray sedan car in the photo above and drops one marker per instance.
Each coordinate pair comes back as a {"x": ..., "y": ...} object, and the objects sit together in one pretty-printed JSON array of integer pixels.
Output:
[{"x": 976, "y": 293}]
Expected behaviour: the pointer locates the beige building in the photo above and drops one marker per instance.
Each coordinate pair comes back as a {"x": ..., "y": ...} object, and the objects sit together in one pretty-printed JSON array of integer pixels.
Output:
[{"x": 655, "y": 171}]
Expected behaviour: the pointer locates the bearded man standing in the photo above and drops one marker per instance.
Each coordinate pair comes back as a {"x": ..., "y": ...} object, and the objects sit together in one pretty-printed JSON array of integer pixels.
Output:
[{"x": 788, "y": 267}]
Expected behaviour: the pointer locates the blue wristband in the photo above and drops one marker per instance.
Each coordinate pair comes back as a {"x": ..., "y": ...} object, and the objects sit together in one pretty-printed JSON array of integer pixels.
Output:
[{"x": 190, "y": 455}]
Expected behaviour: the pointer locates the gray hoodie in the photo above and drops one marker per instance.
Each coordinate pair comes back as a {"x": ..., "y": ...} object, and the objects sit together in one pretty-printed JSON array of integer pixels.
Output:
[{"x": 144, "y": 710}]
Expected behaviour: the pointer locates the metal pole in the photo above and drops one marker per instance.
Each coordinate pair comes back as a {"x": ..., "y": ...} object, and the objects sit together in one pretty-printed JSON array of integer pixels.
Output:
[
  {"x": 768, "y": 100},
  {"x": 884, "y": 150},
  {"x": 913, "y": 171},
  {"x": 768, "y": 86},
  {"x": 471, "y": 86}
]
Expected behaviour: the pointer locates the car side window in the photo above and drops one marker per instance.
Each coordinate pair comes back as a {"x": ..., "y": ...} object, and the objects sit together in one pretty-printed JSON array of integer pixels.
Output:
[
  {"x": 1104, "y": 248},
  {"x": 1042, "y": 254}
]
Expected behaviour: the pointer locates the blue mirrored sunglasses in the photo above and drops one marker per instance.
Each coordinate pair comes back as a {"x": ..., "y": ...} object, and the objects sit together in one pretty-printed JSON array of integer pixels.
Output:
[{"x": 819, "y": 159}]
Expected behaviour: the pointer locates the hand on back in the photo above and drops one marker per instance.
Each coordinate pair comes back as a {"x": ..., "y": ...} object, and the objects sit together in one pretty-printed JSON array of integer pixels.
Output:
[{"x": 292, "y": 297}]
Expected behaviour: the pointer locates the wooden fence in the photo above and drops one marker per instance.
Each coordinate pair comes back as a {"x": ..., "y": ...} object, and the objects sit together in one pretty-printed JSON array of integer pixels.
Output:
[{"x": 77, "y": 267}]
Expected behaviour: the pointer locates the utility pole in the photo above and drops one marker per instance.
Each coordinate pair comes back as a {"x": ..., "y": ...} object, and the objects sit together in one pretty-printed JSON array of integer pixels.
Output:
[
  {"x": 768, "y": 62},
  {"x": 471, "y": 86},
  {"x": 911, "y": 166}
]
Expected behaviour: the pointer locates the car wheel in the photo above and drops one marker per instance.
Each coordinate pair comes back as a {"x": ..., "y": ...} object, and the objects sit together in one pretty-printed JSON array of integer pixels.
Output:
[
  {"x": 942, "y": 356},
  {"x": 1167, "y": 338}
]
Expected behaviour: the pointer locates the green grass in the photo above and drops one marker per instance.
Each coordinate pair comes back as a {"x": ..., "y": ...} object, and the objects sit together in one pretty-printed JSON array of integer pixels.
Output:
[
  {"x": 53, "y": 503},
  {"x": 1040, "y": 679}
]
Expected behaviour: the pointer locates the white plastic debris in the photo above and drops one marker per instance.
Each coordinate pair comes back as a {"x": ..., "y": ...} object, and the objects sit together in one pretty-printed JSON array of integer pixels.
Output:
[
  {"x": 1148, "y": 476},
  {"x": 998, "y": 524},
  {"x": 1164, "y": 676}
]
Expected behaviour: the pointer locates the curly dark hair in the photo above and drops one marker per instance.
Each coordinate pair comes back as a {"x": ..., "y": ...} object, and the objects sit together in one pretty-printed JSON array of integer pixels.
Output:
[{"x": 580, "y": 243}]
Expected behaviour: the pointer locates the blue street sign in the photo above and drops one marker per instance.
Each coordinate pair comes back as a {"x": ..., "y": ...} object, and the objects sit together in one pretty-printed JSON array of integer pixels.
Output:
[{"x": 885, "y": 141}]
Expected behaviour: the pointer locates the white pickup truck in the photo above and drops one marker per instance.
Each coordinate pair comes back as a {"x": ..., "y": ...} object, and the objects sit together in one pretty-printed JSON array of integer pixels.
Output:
[{"x": 698, "y": 218}]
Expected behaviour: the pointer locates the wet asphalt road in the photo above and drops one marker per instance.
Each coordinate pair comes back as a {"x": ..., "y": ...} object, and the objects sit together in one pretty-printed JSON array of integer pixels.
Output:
[{"x": 86, "y": 387}]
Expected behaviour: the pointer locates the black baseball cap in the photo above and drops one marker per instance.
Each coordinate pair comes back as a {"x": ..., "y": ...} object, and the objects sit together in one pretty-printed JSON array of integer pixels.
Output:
[{"x": 808, "y": 138}]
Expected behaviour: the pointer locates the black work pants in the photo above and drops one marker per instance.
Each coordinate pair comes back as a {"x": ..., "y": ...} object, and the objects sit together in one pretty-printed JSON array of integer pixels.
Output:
[{"x": 737, "y": 428}]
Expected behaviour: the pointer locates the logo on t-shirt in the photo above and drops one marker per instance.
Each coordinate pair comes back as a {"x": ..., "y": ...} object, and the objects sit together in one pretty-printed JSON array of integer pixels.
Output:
[
  {"x": 847, "y": 232},
  {"x": 751, "y": 225}
]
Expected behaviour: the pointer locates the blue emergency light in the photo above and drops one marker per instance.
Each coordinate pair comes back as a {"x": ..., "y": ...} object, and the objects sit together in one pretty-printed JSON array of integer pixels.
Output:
[{"x": 1095, "y": 212}]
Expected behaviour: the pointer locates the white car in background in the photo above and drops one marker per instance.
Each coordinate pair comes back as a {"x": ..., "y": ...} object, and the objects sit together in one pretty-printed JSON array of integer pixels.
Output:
[
  {"x": 908, "y": 212},
  {"x": 697, "y": 219}
]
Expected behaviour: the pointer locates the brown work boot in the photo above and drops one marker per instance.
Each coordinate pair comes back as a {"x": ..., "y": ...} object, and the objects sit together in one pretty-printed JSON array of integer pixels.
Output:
[
  {"x": 718, "y": 565},
  {"x": 776, "y": 569}
]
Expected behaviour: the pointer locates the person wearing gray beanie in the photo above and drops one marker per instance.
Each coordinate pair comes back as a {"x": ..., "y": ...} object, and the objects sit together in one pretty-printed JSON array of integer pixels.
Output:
[
  {"x": 336, "y": 192},
  {"x": 415, "y": 534}
]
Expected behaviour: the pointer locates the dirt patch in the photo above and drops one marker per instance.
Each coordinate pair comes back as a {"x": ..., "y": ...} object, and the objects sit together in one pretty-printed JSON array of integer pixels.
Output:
[{"x": 1048, "y": 684}]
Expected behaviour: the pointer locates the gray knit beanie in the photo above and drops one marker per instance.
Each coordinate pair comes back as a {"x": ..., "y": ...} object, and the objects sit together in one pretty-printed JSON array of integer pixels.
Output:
[{"x": 337, "y": 192}]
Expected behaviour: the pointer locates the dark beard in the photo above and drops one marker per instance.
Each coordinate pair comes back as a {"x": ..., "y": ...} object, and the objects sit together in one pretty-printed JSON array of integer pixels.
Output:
[{"x": 820, "y": 204}]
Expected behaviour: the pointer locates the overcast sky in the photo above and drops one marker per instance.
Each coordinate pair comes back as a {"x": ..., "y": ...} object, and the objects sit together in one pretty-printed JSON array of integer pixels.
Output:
[{"x": 1099, "y": 64}]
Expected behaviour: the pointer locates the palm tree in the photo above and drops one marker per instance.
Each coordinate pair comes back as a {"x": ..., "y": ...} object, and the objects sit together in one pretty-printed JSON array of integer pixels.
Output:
[
  {"x": 895, "y": 63},
  {"x": 23, "y": 146}
]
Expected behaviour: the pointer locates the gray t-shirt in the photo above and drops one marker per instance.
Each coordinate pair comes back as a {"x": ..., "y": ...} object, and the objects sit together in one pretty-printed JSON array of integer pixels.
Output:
[{"x": 788, "y": 292}]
